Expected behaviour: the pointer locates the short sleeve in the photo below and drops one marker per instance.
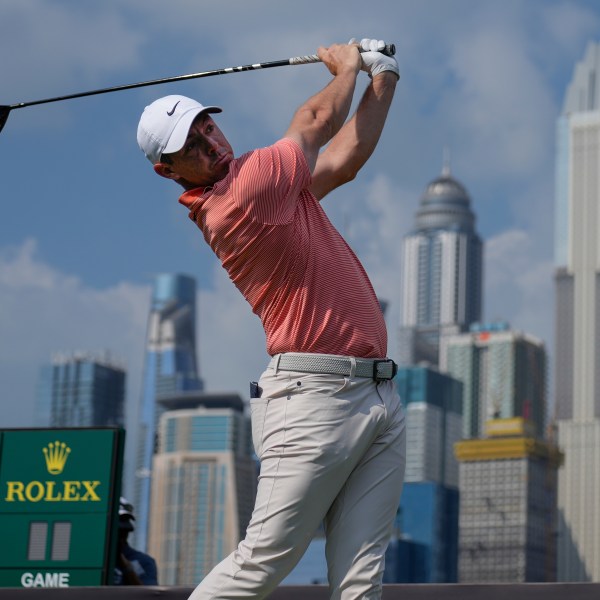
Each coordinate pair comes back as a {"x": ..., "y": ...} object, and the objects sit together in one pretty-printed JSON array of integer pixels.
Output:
[{"x": 266, "y": 183}]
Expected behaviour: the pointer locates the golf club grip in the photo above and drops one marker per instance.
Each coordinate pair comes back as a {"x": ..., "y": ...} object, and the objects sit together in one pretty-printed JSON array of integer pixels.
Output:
[{"x": 389, "y": 50}]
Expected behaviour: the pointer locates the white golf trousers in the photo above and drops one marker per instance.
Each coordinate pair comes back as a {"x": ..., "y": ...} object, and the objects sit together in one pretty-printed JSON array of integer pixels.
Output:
[{"x": 332, "y": 450}]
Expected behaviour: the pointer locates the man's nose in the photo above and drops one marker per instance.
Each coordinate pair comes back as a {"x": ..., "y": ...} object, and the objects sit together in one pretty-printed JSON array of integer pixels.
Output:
[{"x": 212, "y": 146}]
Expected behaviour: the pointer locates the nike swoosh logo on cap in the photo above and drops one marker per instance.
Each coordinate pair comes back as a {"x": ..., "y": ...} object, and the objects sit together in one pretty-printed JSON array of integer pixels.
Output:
[{"x": 170, "y": 112}]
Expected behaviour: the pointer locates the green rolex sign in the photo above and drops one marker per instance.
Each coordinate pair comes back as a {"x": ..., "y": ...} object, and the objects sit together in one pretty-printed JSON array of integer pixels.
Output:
[{"x": 59, "y": 495}]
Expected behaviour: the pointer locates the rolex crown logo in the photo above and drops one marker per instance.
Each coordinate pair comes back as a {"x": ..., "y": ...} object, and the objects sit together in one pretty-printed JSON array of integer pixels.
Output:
[{"x": 56, "y": 455}]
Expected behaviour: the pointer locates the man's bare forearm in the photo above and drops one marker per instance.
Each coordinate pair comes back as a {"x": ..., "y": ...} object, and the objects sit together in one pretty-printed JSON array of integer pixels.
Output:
[
  {"x": 357, "y": 139},
  {"x": 355, "y": 142},
  {"x": 330, "y": 107},
  {"x": 322, "y": 116}
]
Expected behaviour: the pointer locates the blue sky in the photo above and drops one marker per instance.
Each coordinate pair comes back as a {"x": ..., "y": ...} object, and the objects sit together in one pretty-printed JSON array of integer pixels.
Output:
[{"x": 86, "y": 224}]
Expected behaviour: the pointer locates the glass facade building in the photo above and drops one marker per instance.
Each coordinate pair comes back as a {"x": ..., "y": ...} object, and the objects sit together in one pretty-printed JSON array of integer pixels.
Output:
[
  {"x": 203, "y": 490},
  {"x": 428, "y": 517},
  {"x": 441, "y": 273},
  {"x": 170, "y": 366},
  {"x": 427, "y": 522},
  {"x": 80, "y": 390},
  {"x": 577, "y": 349},
  {"x": 433, "y": 405},
  {"x": 406, "y": 561},
  {"x": 503, "y": 374}
]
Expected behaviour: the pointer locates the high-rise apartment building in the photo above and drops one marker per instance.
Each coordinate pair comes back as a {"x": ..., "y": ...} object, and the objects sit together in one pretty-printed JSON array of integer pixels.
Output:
[
  {"x": 203, "y": 487},
  {"x": 170, "y": 367},
  {"x": 441, "y": 273},
  {"x": 428, "y": 513},
  {"x": 503, "y": 373},
  {"x": 577, "y": 352},
  {"x": 433, "y": 406},
  {"x": 508, "y": 510},
  {"x": 80, "y": 390}
]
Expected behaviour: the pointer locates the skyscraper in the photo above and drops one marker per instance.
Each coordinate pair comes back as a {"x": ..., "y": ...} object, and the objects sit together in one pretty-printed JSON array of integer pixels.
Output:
[
  {"x": 577, "y": 352},
  {"x": 80, "y": 390},
  {"x": 503, "y": 373},
  {"x": 170, "y": 366},
  {"x": 508, "y": 482},
  {"x": 433, "y": 405},
  {"x": 203, "y": 487},
  {"x": 428, "y": 514},
  {"x": 442, "y": 271}
]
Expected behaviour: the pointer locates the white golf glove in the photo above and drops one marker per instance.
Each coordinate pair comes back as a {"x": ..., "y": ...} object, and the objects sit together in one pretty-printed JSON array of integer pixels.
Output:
[{"x": 373, "y": 61}]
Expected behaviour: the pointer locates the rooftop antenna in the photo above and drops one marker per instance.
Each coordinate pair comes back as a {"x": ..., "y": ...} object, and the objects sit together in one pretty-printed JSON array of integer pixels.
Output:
[{"x": 446, "y": 162}]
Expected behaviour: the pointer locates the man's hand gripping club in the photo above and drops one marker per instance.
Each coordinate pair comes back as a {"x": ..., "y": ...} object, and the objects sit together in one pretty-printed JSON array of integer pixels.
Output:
[{"x": 373, "y": 61}]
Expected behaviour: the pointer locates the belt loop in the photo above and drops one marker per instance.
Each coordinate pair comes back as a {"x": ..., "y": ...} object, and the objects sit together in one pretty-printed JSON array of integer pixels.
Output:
[
  {"x": 276, "y": 365},
  {"x": 352, "y": 367}
]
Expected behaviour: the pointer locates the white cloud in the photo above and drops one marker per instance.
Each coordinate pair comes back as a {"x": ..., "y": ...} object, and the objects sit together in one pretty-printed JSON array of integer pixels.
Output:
[
  {"x": 518, "y": 285},
  {"x": 501, "y": 102},
  {"x": 63, "y": 44},
  {"x": 379, "y": 219},
  {"x": 46, "y": 311},
  {"x": 568, "y": 23}
]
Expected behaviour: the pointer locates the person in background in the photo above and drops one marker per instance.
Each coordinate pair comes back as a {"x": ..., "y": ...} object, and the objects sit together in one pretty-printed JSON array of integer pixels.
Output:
[{"x": 132, "y": 567}]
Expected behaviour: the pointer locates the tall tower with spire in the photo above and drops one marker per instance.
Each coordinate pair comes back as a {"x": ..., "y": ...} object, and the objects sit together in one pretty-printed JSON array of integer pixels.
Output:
[{"x": 442, "y": 270}]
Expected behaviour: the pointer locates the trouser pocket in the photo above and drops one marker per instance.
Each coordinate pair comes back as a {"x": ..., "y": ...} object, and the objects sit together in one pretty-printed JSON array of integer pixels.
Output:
[{"x": 258, "y": 411}]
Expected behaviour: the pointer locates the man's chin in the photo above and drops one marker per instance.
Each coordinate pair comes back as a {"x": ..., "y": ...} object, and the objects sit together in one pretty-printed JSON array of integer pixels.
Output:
[{"x": 223, "y": 169}]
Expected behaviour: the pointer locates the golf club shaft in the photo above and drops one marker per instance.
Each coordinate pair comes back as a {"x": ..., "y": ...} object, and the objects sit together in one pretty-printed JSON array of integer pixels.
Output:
[{"x": 298, "y": 60}]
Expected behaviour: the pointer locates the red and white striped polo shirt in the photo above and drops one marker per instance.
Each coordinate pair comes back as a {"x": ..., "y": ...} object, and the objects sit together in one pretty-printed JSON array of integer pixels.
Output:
[{"x": 273, "y": 238}]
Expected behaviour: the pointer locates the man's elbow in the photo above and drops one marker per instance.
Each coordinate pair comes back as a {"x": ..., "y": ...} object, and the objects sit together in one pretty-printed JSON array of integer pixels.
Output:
[
  {"x": 347, "y": 176},
  {"x": 343, "y": 175},
  {"x": 315, "y": 125}
]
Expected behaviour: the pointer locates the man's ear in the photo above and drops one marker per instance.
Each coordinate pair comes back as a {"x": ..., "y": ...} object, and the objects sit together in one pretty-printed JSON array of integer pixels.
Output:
[{"x": 165, "y": 170}]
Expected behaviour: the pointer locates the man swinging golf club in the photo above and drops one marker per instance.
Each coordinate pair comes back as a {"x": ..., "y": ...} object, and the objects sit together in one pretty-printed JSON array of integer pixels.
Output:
[{"x": 327, "y": 422}]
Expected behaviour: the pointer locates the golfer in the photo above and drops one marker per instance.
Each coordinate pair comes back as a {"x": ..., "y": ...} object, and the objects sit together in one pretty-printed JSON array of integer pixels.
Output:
[{"x": 327, "y": 422}]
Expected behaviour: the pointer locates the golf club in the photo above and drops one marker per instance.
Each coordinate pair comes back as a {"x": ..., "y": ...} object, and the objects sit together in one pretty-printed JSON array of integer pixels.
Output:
[{"x": 389, "y": 49}]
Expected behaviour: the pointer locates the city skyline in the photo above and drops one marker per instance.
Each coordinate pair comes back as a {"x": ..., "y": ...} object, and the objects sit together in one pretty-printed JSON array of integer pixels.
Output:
[{"x": 88, "y": 225}]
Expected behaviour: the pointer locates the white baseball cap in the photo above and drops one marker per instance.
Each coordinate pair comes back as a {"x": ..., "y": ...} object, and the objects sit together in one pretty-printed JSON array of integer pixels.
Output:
[
  {"x": 125, "y": 508},
  {"x": 165, "y": 124}
]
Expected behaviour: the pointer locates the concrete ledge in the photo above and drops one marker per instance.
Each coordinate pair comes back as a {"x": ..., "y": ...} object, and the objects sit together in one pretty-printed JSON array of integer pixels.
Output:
[{"x": 523, "y": 591}]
